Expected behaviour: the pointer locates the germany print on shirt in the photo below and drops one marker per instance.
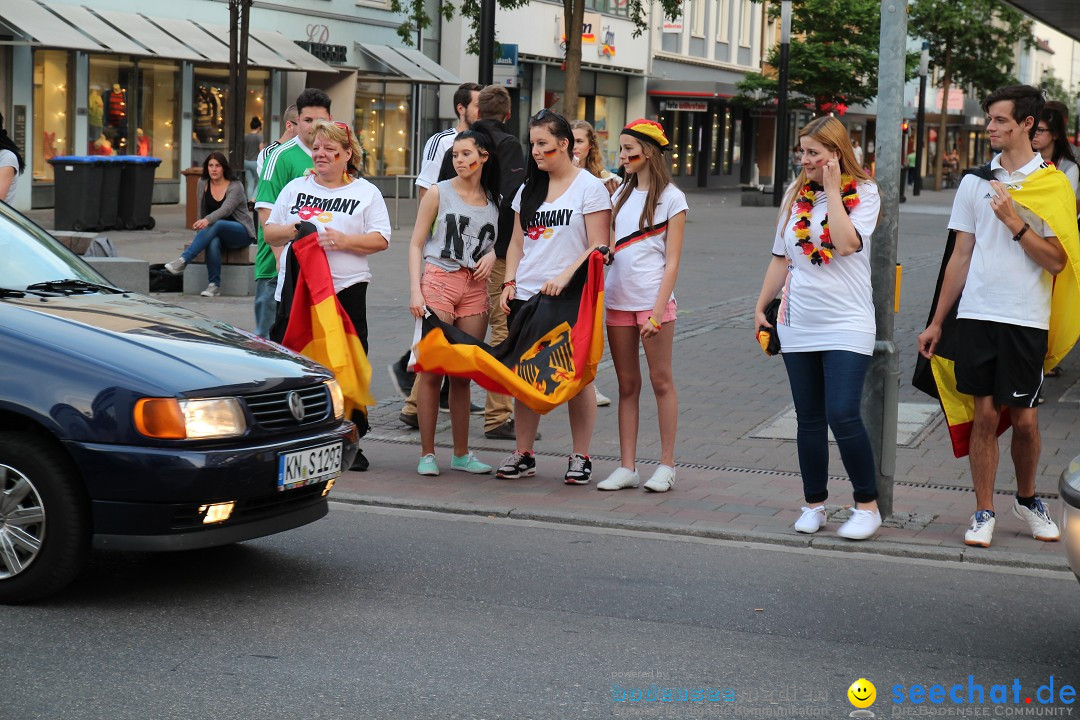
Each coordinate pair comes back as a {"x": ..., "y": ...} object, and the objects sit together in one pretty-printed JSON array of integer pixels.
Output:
[
  {"x": 555, "y": 236},
  {"x": 353, "y": 209}
]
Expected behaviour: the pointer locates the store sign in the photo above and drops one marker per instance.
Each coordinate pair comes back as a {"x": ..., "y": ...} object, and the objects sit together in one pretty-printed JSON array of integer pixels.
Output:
[
  {"x": 672, "y": 26},
  {"x": 325, "y": 52},
  {"x": 685, "y": 105},
  {"x": 506, "y": 66},
  {"x": 18, "y": 128},
  {"x": 590, "y": 26}
]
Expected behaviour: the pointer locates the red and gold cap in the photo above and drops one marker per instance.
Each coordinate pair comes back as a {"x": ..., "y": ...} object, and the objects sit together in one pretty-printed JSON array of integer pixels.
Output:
[{"x": 647, "y": 130}]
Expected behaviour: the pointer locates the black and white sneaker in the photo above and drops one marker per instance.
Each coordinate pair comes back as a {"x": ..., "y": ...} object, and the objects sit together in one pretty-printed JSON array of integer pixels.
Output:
[
  {"x": 518, "y": 465},
  {"x": 579, "y": 470}
]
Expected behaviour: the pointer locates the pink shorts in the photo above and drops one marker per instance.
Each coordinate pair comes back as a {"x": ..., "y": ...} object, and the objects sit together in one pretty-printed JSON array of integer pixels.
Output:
[
  {"x": 457, "y": 293},
  {"x": 637, "y": 318}
]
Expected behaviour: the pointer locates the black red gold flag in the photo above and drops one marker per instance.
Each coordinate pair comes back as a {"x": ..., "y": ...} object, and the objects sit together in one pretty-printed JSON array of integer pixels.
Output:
[
  {"x": 318, "y": 327},
  {"x": 1046, "y": 193},
  {"x": 549, "y": 355}
]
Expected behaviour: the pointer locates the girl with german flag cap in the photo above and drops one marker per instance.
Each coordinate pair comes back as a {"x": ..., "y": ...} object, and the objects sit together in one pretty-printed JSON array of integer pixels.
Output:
[{"x": 648, "y": 221}]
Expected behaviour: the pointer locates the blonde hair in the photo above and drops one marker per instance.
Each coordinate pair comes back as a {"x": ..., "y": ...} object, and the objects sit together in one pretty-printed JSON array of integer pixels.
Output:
[
  {"x": 659, "y": 178},
  {"x": 592, "y": 161},
  {"x": 344, "y": 137},
  {"x": 831, "y": 133}
]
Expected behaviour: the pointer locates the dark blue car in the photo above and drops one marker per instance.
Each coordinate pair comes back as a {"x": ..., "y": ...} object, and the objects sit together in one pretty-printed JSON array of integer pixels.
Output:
[{"x": 128, "y": 423}]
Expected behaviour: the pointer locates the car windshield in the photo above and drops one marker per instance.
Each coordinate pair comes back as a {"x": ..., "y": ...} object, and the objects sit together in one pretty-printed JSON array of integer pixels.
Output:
[{"x": 31, "y": 256}]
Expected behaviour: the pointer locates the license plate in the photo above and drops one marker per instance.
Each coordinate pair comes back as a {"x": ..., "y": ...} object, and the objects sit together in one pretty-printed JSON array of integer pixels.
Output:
[{"x": 307, "y": 467}]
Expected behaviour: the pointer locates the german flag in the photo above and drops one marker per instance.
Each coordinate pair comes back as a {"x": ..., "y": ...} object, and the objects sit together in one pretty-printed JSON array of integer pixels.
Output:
[
  {"x": 318, "y": 326},
  {"x": 1048, "y": 194},
  {"x": 549, "y": 355}
]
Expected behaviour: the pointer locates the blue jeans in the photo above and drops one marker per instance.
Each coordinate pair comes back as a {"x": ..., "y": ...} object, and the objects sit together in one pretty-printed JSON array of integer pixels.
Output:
[
  {"x": 265, "y": 305},
  {"x": 827, "y": 389},
  {"x": 229, "y": 233}
]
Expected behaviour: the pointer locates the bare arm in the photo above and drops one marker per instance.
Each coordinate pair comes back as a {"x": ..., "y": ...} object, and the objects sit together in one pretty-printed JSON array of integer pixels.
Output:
[
  {"x": 7, "y": 176},
  {"x": 842, "y": 233},
  {"x": 775, "y": 276},
  {"x": 514, "y": 251},
  {"x": 425, "y": 216},
  {"x": 1046, "y": 251},
  {"x": 952, "y": 285},
  {"x": 675, "y": 231}
]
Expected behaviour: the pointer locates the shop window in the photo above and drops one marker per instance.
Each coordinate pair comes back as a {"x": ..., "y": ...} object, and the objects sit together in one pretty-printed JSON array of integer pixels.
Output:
[
  {"x": 53, "y": 110},
  {"x": 157, "y": 116},
  {"x": 383, "y": 121},
  {"x": 610, "y": 119},
  {"x": 209, "y": 112}
]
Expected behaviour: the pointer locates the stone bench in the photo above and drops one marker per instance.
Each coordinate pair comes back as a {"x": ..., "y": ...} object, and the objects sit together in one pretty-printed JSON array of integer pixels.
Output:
[
  {"x": 123, "y": 272},
  {"x": 237, "y": 273}
]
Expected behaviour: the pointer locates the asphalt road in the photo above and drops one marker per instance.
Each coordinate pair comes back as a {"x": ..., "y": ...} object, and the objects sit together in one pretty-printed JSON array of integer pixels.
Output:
[{"x": 397, "y": 614}]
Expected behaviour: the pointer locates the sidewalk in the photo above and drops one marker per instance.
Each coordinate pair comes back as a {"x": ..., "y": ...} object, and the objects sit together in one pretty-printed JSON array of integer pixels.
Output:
[{"x": 738, "y": 470}]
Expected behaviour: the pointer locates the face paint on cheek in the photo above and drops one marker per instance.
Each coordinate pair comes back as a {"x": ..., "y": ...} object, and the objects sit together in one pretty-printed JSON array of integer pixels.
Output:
[
  {"x": 474, "y": 164},
  {"x": 633, "y": 158},
  {"x": 549, "y": 153}
]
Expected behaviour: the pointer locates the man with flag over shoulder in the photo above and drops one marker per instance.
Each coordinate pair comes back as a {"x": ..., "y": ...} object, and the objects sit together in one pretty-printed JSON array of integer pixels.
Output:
[{"x": 1013, "y": 266}]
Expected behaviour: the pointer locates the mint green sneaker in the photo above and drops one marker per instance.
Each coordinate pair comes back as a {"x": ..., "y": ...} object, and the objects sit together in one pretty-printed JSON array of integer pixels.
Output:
[
  {"x": 470, "y": 464},
  {"x": 427, "y": 465}
]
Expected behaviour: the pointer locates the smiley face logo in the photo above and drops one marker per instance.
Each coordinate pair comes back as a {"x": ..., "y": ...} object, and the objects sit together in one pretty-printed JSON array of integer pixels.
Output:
[{"x": 862, "y": 693}]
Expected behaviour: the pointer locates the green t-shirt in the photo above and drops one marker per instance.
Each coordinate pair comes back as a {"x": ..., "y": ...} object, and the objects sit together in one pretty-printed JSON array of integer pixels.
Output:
[{"x": 290, "y": 161}]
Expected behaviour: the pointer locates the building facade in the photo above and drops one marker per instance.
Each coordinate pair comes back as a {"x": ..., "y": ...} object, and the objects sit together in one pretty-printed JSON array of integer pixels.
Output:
[
  {"x": 110, "y": 80},
  {"x": 697, "y": 60}
]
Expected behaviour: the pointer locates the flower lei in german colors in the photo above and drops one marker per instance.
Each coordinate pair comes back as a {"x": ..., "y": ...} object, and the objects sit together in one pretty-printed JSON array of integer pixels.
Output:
[{"x": 804, "y": 204}]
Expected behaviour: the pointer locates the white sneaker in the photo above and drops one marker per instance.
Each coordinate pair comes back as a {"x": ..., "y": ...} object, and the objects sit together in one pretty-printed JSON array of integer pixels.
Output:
[
  {"x": 602, "y": 400},
  {"x": 1038, "y": 520},
  {"x": 176, "y": 267},
  {"x": 212, "y": 290},
  {"x": 982, "y": 529},
  {"x": 811, "y": 520},
  {"x": 662, "y": 480},
  {"x": 621, "y": 478},
  {"x": 861, "y": 525}
]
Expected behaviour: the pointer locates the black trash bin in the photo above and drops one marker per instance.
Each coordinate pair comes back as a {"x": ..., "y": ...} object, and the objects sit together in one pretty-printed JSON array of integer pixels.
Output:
[
  {"x": 77, "y": 192},
  {"x": 111, "y": 168},
  {"x": 136, "y": 191}
]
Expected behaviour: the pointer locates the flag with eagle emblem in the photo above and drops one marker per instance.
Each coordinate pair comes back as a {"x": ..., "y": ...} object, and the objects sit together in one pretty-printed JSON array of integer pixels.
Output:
[{"x": 549, "y": 355}]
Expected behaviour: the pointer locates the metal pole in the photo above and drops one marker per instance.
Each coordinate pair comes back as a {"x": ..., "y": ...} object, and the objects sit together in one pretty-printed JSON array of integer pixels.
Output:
[
  {"x": 781, "y": 164},
  {"x": 241, "y": 85},
  {"x": 231, "y": 107},
  {"x": 881, "y": 391},
  {"x": 487, "y": 42},
  {"x": 920, "y": 122}
]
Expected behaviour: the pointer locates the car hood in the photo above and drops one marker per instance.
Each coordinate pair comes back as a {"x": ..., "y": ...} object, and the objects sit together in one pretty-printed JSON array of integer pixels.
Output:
[{"x": 163, "y": 345}]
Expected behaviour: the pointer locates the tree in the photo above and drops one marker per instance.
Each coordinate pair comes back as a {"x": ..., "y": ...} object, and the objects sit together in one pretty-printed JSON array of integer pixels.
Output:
[
  {"x": 972, "y": 43},
  {"x": 833, "y": 62},
  {"x": 417, "y": 18}
]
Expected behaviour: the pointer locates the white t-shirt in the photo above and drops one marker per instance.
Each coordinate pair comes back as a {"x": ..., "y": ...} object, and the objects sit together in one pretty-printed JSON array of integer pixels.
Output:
[
  {"x": 1003, "y": 284},
  {"x": 640, "y": 255},
  {"x": 354, "y": 208},
  {"x": 828, "y": 307},
  {"x": 8, "y": 159},
  {"x": 556, "y": 236},
  {"x": 434, "y": 150}
]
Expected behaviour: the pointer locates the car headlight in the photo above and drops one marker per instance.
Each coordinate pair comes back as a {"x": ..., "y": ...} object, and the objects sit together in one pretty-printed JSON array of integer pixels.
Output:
[
  {"x": 200, "y": 419},
  {"x": 337, "y": 398}
]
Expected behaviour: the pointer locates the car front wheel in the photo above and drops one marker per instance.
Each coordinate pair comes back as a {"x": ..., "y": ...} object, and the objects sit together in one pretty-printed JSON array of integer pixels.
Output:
[{"x": 44, "y": 519}]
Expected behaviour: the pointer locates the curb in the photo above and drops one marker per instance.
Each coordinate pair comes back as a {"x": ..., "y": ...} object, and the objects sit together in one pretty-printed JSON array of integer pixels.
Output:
[{"x": 585, "y": 519}]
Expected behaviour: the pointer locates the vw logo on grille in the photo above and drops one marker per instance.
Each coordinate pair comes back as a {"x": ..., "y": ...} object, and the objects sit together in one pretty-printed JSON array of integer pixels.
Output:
[{"x": 296, "y": 405}]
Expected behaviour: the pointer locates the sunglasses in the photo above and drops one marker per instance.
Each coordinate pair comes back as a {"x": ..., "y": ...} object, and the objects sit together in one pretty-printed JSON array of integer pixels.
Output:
[{"x": 552, "y": 116}]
